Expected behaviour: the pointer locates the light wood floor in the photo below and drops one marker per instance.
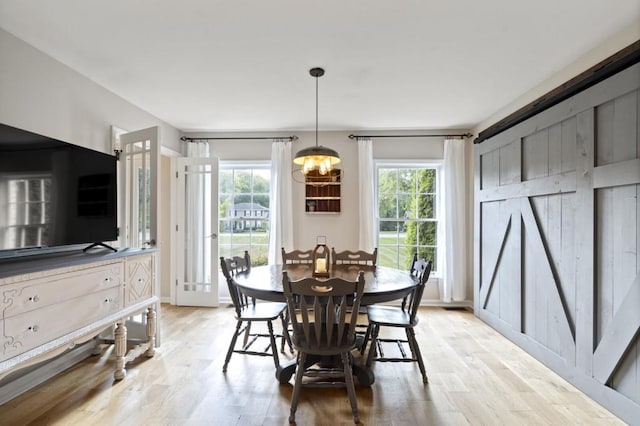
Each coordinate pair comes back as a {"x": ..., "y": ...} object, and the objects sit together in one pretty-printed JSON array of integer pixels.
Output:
[{"x": 476, "y": 377}]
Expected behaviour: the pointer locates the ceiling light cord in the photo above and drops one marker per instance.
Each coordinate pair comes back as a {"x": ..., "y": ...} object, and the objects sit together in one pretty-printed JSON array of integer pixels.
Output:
[{"x": 316, "y": 110}]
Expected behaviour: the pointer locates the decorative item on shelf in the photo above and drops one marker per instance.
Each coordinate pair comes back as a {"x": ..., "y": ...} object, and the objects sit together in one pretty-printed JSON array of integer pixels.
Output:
[
  {"x": 311, "y": 205},
  {"x": 321, "y": 259},
  {"x": 316, "y": 158}
]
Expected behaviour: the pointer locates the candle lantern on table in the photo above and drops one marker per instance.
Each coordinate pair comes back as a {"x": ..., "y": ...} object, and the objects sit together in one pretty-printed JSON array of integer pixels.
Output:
[{"x": 321, "y": 260}]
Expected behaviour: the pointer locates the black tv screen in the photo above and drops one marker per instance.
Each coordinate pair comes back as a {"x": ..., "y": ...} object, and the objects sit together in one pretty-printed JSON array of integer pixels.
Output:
[{"x": 53, "y": 193}]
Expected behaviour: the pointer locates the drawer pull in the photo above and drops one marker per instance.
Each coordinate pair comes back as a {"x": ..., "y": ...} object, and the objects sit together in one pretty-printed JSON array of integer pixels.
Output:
[
  {"x": 109, "y": 300},
  {"x": 34, "y": 299},
  {"x": 34, "y": 328}
]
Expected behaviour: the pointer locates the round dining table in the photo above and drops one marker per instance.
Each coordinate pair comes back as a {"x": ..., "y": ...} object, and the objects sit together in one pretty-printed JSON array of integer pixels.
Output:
[{"x": 382, "y": 284}]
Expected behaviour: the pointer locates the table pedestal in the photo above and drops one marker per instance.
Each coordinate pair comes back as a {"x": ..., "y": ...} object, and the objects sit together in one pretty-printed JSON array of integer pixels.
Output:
[{"x": 365, "y": 376}]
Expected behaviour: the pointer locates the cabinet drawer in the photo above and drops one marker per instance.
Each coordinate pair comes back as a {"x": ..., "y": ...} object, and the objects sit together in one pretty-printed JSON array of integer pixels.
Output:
[
  {"x": 41, "y": 292},
  {"x": 139, "y": 283},
  {"x": 31, "y": 329}
]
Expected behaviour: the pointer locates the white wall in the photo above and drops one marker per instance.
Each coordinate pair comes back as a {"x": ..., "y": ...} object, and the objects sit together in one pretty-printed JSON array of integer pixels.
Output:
[
  {"x": 608, "y": 47},
  {"x": 340, "y": 229},
  {"x": 42, "y": 95}
]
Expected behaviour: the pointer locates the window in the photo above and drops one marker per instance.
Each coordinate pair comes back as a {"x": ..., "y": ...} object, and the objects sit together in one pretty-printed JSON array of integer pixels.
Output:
[
  {"x": 408, "y": 220},
  {"x": 244, "y": 210}
]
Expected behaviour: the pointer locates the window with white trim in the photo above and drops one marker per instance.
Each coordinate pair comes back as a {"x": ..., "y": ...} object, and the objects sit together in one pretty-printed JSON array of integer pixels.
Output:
[
  {"x": 408, "y": 202},
  {"x": 243, "y": 200}
]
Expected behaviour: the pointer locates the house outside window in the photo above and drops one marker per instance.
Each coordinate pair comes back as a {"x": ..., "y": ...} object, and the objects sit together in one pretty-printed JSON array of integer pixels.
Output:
[
  {"x": 243, "y": 200},
  {"x": 408, "y": 201}
]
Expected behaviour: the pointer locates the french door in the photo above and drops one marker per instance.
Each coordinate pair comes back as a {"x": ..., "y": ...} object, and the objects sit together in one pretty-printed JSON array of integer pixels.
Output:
[
  {"x": 139, "y": 198},
  {"x": 138, "y": 206},
  {"x": 197, "y": 244}
]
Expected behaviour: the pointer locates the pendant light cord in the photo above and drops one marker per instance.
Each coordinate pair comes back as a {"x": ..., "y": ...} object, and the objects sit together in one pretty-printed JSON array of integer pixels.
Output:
[{"x": 316, "y": 111}]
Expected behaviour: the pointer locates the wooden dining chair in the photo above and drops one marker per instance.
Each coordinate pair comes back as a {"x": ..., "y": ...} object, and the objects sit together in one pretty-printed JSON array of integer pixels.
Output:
[
  {"x": 247, "y": 311},
  {"x": 405, "y": 317},
  {"x": 297, "y": 256},
  {"x": 323, "y": 323},
  {"x": 359, "y": 257}
]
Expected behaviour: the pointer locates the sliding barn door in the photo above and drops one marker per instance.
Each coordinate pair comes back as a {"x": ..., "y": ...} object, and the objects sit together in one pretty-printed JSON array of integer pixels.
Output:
[{"x": 557, "y": 244}]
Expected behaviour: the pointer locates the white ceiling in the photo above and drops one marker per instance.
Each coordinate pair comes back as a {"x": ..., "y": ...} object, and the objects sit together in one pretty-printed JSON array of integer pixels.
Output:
[{"x": 234, "y": 65}]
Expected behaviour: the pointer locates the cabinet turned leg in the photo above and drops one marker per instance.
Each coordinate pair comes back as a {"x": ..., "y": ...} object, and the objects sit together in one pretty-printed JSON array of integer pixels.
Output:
[
  {"x": 120, "y": 335},
  {"x": 151, "y": 331}
]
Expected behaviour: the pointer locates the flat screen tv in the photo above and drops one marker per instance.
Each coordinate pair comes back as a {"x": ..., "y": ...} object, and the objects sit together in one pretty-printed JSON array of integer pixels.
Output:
[{"x": 53, "y": 194}]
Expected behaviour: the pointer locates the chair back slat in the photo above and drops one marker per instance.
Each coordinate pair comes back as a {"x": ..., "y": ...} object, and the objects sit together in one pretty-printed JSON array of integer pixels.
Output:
[
  {"x": 348, "y": 257},
  {"x": 297, "y": 256},
  {"x": 231, "y": 267},
  {"x": 423, "y": 267},
  {"x": 323, "y": 313}
]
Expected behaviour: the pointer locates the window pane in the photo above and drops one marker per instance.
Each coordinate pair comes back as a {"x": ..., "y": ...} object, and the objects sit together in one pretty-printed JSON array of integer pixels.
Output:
[
  {"x": 407, "y": 180},
  {"x": 259, "y": 255},
  {"x": 261, "y": 179},
  {"x": 262, "y": 200},
  {"x": 387, "y": 207},
  {"x": 427, "y": 233},
  {"x": 406, "y": 206},
  {"x": 225, "y": 181},
  {"x": 427, "y": 181},
  {"x": 387, "y": 181},
  {"x": 242, "y": 182},
  {"x": 426, "y": 206},
  {"x": 225, "y": 206}
]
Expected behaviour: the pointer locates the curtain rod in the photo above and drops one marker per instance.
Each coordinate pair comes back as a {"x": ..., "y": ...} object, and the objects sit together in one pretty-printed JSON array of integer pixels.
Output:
[
  {"x": 463, "y": 135},
  {"x": 291, "y": 138}
]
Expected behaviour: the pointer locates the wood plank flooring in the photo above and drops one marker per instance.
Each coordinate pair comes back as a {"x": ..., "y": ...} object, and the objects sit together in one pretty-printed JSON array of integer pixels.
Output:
[{"x": 476, "y": 377}]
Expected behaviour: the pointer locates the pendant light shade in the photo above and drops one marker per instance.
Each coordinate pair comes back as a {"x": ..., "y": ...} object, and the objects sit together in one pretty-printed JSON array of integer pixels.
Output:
[{"x": 317, "y": 158}]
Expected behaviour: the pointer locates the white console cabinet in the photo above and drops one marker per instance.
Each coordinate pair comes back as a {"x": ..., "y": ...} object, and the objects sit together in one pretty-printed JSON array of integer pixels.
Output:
[{"x": 51, "y": 303}]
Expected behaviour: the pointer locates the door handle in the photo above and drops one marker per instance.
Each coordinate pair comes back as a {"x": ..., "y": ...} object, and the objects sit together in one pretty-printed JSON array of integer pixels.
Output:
[
  {"x": 150, "y": 243},
  {"x": 214, "y": 236}
]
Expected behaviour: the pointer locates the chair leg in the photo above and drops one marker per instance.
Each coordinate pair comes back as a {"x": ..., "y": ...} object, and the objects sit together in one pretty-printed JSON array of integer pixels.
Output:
[
  {"x": 302, "y": 358},
  {"x": 415, "y": 349},
  {"x": 367, "y": 336},
  {"x": 348, "y": 378},
  {"x": 232, "y": 345},
  {"x": 247, "y": 334},
  {"x": 274, "y": 345},
  {"x": 285, "y": 332},
  {"x": 372, "y": 346}
]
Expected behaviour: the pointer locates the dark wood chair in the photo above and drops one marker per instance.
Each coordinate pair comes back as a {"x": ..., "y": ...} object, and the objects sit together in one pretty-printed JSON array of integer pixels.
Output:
[
  {"x": 359, "y": 257},
  {"x": 323, "y": 317},
  {"x": 297, "y": 256},
  {"x": 405, "y": 317},
  {"x": 248, "y": 311}
]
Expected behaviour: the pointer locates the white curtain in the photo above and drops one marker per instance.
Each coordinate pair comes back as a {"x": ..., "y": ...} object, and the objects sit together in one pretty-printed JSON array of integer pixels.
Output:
[
  {"x": 280, "y": 202},
  {"x": 197, "y": 222},
  {"x": 367, "y": 231},
  {"x": 455, "y": 257}
]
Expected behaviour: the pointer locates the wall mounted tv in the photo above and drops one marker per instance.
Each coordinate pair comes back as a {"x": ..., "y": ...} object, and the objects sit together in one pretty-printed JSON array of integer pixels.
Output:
[{"x": 53, "y": 194}]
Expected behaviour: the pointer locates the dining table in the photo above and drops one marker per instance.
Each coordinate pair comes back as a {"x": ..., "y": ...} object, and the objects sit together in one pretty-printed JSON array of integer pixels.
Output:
[{"x": 382, "y": 284}]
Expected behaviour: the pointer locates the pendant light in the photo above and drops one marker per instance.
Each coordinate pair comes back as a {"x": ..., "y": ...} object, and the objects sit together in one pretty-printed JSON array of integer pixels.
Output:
[{"x": 318, "y": 160}]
